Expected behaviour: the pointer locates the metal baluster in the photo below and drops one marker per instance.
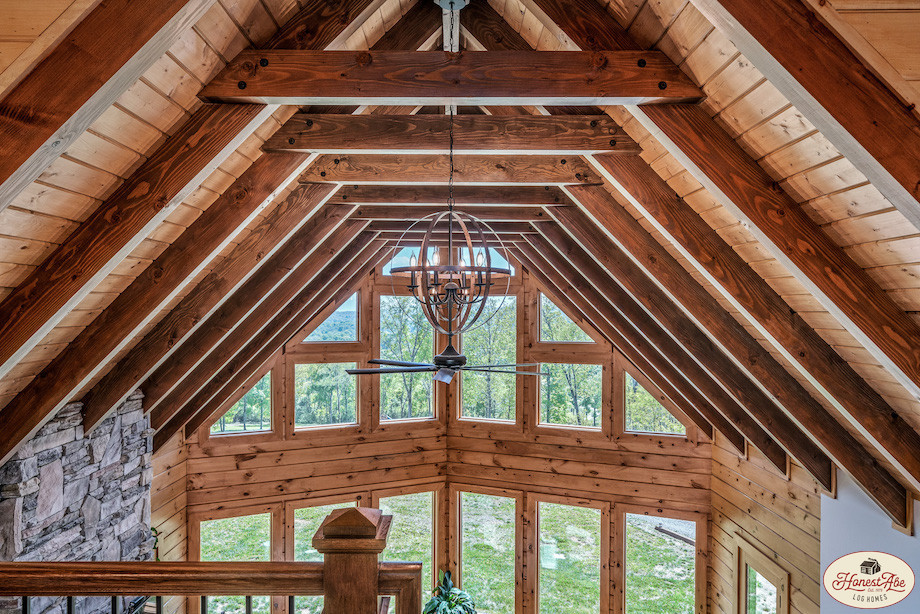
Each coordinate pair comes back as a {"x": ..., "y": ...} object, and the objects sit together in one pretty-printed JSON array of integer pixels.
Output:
[
  {"x": 204, "y": 604},
  {"x": 248, "y": 604},
  {"x": 159, "y": 604},
  {"x": 26, "y": 605},
  {"x": 70, "y": 605},
  {"x": 116, "y": 604},
  {"x": 291, "y": 604}
]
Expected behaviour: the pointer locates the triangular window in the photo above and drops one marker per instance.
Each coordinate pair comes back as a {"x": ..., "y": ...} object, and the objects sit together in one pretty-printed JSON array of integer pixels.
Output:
[
  {"x": 645, "y": 414},
  {"x": 341, "y": 325},
  {"x": 251, "y": 414},
  {"x": 557, "y": 327}
]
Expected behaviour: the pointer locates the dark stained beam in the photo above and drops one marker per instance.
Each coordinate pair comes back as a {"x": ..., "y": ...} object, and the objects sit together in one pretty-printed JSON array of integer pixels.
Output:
[
  {"x": 832, "y": 88},
  {"x": 504, "y": 229},
  {"x": 565, "y": 296},
  {"x": 153, "y": 289},
  {"x": 284, "y": 270},
  {"x": 434, "y": 134},
  {"x": 868, "y": 411},
  {"x": 79, "y": 79},
  {"x": 119, "y": 224},
  {"x": 794, "y": 239},
  {"x": 439, "y": 78},
  {"x": 414, "y": 213},
  {"x": 436, "y": 195},
  {"x": 803, "y": 414},
  {"x": 277, "y": 324},
  {"x": 435, "y": 169}
]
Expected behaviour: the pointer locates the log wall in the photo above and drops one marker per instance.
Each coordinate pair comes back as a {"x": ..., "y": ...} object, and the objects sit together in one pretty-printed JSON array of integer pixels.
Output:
[{"x": 169, "y": 513}]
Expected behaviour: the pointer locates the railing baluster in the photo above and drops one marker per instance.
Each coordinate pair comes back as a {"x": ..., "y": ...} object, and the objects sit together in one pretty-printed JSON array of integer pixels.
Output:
[
  {"x": 70, "y": 605},
  {"x": 159, "y": 604},
  {"x": 248, "y": 604},
  {"x": 116, "y": 604},
  {"x": 26, "y": 605},
  {"x": 204, "y": 604},
  {"x": 291, "y": 604}
]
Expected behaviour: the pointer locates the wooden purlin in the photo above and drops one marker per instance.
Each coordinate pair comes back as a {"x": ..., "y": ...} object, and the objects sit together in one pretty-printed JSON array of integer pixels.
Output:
[
  {"x": 436, "y": 195},
  {"x": 317, "y": 25},
  {"x": 176, "y": 381},
  {"x": 79, "y": 79}
]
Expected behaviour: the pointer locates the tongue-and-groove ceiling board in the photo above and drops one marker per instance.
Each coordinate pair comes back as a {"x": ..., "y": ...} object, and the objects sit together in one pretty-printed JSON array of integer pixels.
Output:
[{"x": 191, "y": 211}]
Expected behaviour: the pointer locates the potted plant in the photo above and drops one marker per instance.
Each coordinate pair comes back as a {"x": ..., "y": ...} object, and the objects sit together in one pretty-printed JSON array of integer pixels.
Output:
[{"x": 448, "y": 599}]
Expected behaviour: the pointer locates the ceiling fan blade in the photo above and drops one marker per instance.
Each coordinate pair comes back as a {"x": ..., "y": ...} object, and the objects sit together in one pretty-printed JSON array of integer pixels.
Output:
[
  {"x": 488, "y": 370},
  {"x": 390, "y": 370},
  {"x": 444, "y": 375},
  {"x": 398, "y": 363}
]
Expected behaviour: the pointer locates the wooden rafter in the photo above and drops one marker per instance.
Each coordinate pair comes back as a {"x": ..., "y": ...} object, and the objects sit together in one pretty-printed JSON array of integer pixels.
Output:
[
  {"x": 79, "y": 79},
  {"x": 119, "y": 225},
  {"x": 876, "y": 420},
  {"x": 434, "y": 169},
  {"x": 435, "y": 195},
  {"x": 154, "y": 288},
  {"x": 793, "y": 238},
  {"x": 439, "y": 77},
  {"x": 831, "y": 87},
  {"x": 175, "y": 381},
  {"x": 416, "y": 212},
  {"x": 556, "y": 271},
  {"x": 431, "y": 134}
]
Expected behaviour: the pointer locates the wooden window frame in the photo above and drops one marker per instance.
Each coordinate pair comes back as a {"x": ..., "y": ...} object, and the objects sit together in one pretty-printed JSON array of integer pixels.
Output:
[
  {"x": 605, "y": 430},
  {"x": 538, "y": 340},
  {"x": 323, "y": 431},
  {"x": 624, "y": 367},
  {"x": 289, "y": 507},
  {"x": 748, "y": 555},
  {"x": 325, "y": 314},
  {"x": 276, "y": 531}
]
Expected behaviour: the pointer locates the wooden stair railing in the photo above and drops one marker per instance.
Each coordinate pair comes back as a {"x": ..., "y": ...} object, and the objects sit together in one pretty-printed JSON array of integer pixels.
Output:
[{"x": 85, "y": 579}]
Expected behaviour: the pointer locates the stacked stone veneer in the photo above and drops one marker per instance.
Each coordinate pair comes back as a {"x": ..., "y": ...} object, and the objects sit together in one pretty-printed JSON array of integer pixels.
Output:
[{"x": 71, "y": 496}]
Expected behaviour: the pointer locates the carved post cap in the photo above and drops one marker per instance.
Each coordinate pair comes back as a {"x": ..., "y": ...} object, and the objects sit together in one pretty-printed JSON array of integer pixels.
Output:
[{"x": 353, "y": 529}]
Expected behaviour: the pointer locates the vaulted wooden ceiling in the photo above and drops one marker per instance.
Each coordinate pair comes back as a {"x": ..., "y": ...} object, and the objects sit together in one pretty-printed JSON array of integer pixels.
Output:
[{"x": 730, "y": 197}]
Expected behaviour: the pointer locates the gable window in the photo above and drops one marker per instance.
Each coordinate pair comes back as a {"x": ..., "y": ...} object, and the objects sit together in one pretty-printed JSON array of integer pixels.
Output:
[
  {"x": 251, "y": 414},
  {"x": 340, "y": 326},
  {"x": 487, "y": 551},
  {"x": 660, "y": 567},
  {"x": 306, "y": 523},
  {"x": 324, "y": 394},
  {"x": 238, "y": 538},
  {"x": 412, "y": 533},
  {"x": 570, "y": 394},
  {"x": 557, "y": 327},
  {"x": 405, "y": 334},
  {"x": 645, "y": 414},
  {"x": 569, "y": 576},
  {"x": 491, "y": 395}
]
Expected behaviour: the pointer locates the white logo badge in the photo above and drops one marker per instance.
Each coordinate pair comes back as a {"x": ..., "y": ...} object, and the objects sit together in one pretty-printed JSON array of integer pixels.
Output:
[{"x": 869, "y": 580}]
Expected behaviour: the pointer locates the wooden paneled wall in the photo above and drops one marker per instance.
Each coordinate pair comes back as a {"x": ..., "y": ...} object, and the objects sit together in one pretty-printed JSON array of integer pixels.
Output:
[
  {"x": 169, "y": 508},
  {"x": 779, "y": 516}
]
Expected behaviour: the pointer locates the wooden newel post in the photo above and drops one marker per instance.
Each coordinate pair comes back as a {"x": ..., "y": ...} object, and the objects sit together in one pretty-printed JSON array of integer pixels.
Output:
[{"x": 350, "y": 540}]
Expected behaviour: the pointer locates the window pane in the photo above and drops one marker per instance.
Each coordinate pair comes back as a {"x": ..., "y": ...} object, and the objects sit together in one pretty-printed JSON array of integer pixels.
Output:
[
  {"x": 401, "y": 258},
  {"x": 487, "y": 551},
  {"x": 405, "y": 334},
  {"x": 645, "y": 414},
  {"x": 241, "y": 538},
  {"x": 324, "y": 394},
  {"x": 660, "y": 566},
  {"x": 306, "y": 523},
  {"x": 412, "y": 532},
  {"x": 491, "y": 395},
  {"x": 341, "y": 325},
  {"x": 570, "y": 559},
  {"x": 571, "y": 394},
  {"x": 557, "y": 327},
  {"x": 253, "y": 412},
  {"x": 761, "y": 594}
]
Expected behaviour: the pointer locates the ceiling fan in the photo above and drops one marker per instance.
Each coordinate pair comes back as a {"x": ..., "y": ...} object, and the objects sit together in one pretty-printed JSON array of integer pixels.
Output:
[{"x": 444, "y": 366}]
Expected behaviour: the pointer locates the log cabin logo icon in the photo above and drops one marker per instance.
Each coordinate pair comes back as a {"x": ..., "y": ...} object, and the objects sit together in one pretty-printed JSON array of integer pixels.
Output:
[{"x": 869, "y": 580}]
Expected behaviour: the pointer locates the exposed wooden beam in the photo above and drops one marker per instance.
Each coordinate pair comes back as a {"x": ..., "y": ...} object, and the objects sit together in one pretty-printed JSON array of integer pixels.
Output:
[
  {"x": 803, "y": 414},
  {"x": 629, "y": 339},
  {"x": 565, "y": 296},
  {"x": 177, "y": 376},
  {"x": 435, "y": 134},
  {"x": 762, "y": 306},
  {"x": 79, "y": 79},
  {"x": 318, "y": 24},
  {"x": 169, "y": 333},
  {"x": 435, "y": 169},
  {"x": 499, "y": 228},
  {"x": 794, "y": 239},
  {"x": 440, "y": 77},
  {"x": 756, "y": 406},
  {"x": 90, "y": 253},
  {"x": 416, "y": 212},
  {"x": 832, "y": 88},
  {"x": 135, "y": 306},
  {"x": 328, "y": 288},
  {"x": 277, "y": 325},
  {"x": 436, "y": 195}
]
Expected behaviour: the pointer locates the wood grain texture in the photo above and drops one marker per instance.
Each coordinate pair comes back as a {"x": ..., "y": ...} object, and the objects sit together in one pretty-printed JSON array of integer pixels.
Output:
[
  {"x": 490, "y": 29},
  {"x": 439, "y": 77},
  {"x": 580, "y": 20},
  {"x": 431, "y": 134},
  {"x": 434, "y": 169},
  {"x": 832, "y": 88},
  {"x": 150, "y": 291},
  {"x": 318, "y": 24},
  {"x": 557, "y": 248},
  {"x": 119, "y": 225},
  {"x": 417, "y": 26},
  {"x": 258, "y": 246},
  {"x": 413, "y": 213},
  {"x": 845, "y": 289},
  {"x": 433, "y": 195},
  {"x": 175, "y": 381},
  {"x": 79, "y": 79},
  {"x": 761, "y": 302}
]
